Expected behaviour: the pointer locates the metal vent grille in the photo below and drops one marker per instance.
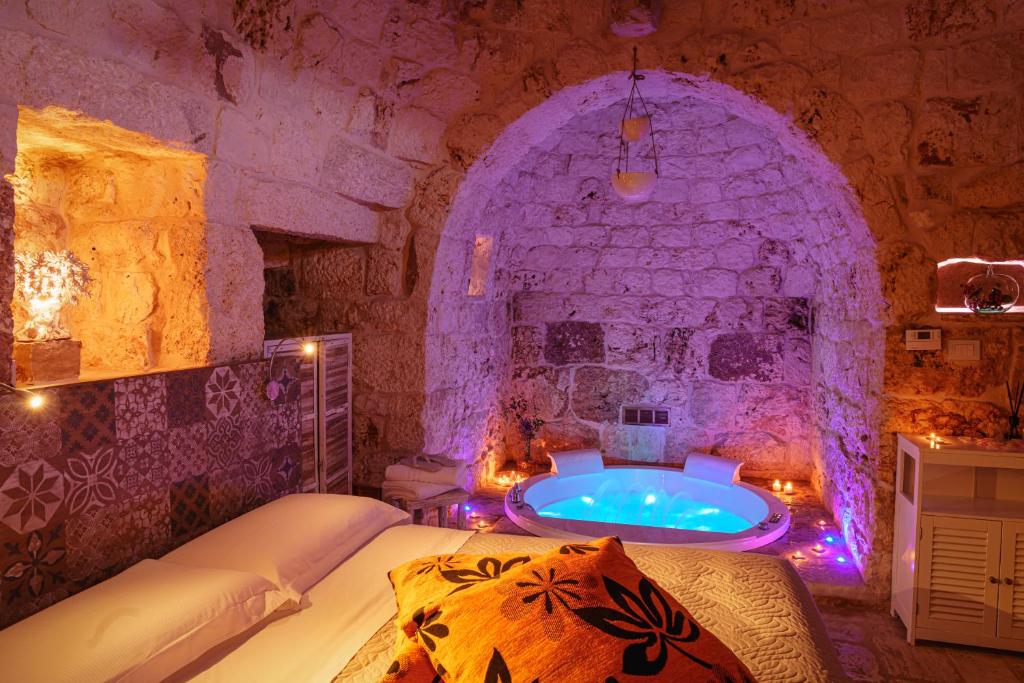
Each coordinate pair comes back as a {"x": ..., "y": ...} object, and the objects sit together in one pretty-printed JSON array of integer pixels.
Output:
[{"x": 645, "y": 415}]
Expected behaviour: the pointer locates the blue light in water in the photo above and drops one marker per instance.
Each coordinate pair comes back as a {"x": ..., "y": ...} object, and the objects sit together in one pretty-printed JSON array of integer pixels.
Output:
[
  {"x": 830, "y": 539},
  {"x": 651, "y": 499},
  {"x": 587, "y": 499}
]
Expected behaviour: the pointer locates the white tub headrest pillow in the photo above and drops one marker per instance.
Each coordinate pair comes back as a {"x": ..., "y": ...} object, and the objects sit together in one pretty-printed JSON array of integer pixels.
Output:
[
  {"x": 293, "y": 541},
  {"x": 571, "y": 463},
  {"x": 712, "y": 468}
]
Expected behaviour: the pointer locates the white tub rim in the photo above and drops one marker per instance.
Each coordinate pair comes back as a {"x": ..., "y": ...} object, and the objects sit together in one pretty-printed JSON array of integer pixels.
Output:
[{"x": 527, "y": 518}]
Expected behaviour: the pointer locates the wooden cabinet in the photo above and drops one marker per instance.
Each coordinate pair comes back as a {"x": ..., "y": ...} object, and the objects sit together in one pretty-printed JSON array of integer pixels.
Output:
[
  {"x": 326, "y": 373},
  {"x": 958, "y": 560}
]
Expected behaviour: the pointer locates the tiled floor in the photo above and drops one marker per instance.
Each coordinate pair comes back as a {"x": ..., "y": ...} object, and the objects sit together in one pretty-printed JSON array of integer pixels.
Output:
[
  {"x": 873, "y": 647},
  {"x": 871, "y": 644}
]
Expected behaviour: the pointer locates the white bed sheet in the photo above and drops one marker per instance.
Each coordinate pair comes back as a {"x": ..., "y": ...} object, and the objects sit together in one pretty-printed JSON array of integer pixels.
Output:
[{"x": 342, "y": 612}]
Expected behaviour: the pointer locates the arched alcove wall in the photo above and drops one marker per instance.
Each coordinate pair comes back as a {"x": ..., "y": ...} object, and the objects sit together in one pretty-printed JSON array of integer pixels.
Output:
[{"x": 697, "y": 294}]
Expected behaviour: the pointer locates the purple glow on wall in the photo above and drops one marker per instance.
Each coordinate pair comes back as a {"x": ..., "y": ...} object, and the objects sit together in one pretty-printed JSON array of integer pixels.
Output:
[{"x": 688, "y": 299}]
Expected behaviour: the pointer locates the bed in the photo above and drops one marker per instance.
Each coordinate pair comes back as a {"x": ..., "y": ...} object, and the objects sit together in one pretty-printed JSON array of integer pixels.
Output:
[{"x": 342, "y": 629}]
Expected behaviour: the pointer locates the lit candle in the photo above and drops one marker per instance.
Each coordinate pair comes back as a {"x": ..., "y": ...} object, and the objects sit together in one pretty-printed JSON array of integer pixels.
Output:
[
  {"x": 481, "y": 524},
  {"x": 776, "y": 486},
  {"x": 822, "y": 523},
  {"x": 818, "y": 548},
  {"x": 798, "y": 555},
  {"x": 788, "y": 488}
]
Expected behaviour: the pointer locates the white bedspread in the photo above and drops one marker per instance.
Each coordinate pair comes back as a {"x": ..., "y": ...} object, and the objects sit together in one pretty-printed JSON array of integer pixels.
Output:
[{"x": 345, "y": 609}]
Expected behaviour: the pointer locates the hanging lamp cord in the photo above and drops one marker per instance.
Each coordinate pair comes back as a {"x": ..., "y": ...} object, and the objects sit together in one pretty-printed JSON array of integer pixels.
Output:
[{"x": 628, "y": 113}]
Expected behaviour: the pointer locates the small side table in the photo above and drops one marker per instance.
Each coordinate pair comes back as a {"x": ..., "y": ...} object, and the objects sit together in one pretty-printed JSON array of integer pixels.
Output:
[{"x": 441, "y": 501}]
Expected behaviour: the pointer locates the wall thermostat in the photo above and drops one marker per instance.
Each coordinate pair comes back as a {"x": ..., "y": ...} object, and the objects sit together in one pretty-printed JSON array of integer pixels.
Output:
[{"x": 924, "y": 340}]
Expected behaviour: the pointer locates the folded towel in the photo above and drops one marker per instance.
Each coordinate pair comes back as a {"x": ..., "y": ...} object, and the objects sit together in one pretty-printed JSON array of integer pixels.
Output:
[
  {"x": 413, "y": 490},
  {"x": 452, "y": 476},
  {"x": 428, "y": 463}
]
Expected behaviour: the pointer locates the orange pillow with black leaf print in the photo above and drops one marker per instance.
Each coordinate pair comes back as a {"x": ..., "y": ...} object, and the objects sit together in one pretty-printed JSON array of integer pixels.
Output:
[
  {"x": 422, "y": 582},
  {"x": 570, "y": 617}
]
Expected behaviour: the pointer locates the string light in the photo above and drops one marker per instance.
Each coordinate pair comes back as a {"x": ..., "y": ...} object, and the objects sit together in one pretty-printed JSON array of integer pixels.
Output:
[{"x": 33, "y": 400}]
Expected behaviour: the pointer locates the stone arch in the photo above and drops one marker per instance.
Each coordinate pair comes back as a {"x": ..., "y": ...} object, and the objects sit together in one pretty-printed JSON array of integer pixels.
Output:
[{"x": 467, "y": 338}]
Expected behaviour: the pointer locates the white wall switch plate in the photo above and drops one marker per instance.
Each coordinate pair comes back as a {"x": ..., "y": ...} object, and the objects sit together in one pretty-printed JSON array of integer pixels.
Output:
[
  {"x": 924, "y": 340},
  {"x": 963, "y": 349}
]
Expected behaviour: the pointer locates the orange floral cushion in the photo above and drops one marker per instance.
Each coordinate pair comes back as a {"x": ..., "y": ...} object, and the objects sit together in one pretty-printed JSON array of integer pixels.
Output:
[
  {"x": 568, "y": 616},
  {"x": 425, "y": 581}
]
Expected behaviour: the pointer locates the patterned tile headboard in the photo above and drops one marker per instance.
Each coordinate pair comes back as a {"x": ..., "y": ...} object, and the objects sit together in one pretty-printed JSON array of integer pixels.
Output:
[{"x": 111, "y": 472}]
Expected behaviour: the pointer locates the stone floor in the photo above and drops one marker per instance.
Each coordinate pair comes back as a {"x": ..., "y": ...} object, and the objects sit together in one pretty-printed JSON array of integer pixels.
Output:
[{"x": 871, "y": 644}]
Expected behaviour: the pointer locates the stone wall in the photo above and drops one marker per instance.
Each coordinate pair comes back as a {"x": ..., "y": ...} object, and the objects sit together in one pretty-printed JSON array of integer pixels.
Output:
[
  {"x": 697, "y": 300},
  {"x": 331, "y": 120}
]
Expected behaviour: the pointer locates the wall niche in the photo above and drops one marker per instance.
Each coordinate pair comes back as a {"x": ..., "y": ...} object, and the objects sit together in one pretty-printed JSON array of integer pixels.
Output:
[{"x": 129, "y": 207}]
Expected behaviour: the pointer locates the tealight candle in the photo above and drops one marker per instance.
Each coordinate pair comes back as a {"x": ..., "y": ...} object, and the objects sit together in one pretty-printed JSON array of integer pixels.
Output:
[
  {"x": 776, "y": 486},
  {"x": 822, "y": 523},
  {"x": 481, "y": 524},
  {"x": 788, "y": 488},
  {"x": 798, "y": 555},
  {"x": 818, "y": 548}
]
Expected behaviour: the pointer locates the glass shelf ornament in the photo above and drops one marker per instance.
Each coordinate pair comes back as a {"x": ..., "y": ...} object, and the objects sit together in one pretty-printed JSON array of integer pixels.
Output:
[
  {"x": 991, "y": 292},
  {"x": 636, "y": 124}
]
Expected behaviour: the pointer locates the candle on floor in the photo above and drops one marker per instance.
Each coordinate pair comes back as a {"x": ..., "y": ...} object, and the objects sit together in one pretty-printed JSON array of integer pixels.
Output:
[
  {"x": 798, "y": 555},
  {"x": 818, "y": 548},
  {"x": 822, "y": 523},
  {"x": 788, "y": 488},
  {"x": 776, "y": 486}
]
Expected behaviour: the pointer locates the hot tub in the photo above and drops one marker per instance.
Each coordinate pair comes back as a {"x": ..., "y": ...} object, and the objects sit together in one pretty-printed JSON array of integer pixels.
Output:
[{"x": 657, "y": 505}]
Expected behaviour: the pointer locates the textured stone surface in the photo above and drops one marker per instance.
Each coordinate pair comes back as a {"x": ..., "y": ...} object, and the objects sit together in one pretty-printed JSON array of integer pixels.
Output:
[
  {"x": 917, "y": 145},
  {"x": 598, "y": 393},
  {"x": 573, "y": 342}
]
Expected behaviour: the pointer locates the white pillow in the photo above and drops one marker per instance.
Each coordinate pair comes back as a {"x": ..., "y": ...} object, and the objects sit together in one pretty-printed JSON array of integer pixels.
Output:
[
  {"x": 141, "y": 625},
  {"x": 293, "y": 541}
]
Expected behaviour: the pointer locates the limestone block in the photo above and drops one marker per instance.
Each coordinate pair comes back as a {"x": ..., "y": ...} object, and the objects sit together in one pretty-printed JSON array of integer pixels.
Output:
[
  {"x": 636, "y": 444},
  {"x": 568, "y": 342},
  {"x": 762, "y": 455},
  {"x": 635, "y": 18},
  {"x": 364, "y": 175},
  {"x": 337, "y": 269},
  {"x": 383, "y": 271},
  {"x": 992, "y": 189},
  {"x": 297, "y": 209},
  {"x": 631, "y": 345},
  {"x": 233, "y": 297},
  {"x": 547, "y": 389},
  {"x": 598, "y": 393},
  {"x": 884, "y": 76},
  {"x": 568, "y": 435},
  {"x": 444, "y": 92},
  {"x": 947, "y": 19},
  {"x": 760, "y": 281},
  {"x": 241, "y": 141},
  {"x": 47, "y": 361},
  {"x": 967, "y": 131},
  {"x": 886, "y": 131},
  {"x": 743, "y": 356},
  {"x": 416, "y": 136}
]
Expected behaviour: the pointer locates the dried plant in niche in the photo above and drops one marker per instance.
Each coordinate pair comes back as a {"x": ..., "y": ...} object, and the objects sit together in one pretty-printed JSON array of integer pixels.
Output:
[
  {"x": 46, "y": 282},
  {"x": 523, "y": 416}
]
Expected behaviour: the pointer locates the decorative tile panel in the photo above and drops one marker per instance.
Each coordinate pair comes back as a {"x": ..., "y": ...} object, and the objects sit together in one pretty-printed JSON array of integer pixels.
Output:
[{"x": 113, "y": 472}]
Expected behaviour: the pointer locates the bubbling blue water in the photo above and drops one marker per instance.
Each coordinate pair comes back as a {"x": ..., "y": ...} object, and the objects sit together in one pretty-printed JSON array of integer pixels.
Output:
[{"x": 647, "y": 507}]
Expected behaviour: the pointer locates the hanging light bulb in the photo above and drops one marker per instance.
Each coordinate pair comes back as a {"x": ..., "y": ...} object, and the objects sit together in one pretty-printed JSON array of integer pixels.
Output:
[{"x": 634, "y": 186}]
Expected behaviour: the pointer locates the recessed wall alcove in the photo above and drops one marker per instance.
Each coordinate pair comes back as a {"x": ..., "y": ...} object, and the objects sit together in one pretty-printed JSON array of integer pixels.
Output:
[
  {"x": 130, "y": 207},
  {"x": 743, "y": 296}
]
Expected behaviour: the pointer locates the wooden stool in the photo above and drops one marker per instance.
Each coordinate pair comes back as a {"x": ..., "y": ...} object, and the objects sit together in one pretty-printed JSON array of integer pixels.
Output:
[{"x": 442, "y": 502}]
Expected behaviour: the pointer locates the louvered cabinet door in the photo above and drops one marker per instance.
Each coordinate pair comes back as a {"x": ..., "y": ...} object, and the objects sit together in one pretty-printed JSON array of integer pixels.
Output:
[
  {"x": 959, "y": 563},
  {"x": 292, "y": 348},
  {"x": 1011, "y": 592},
  {"x": 336, "y": 453}
]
